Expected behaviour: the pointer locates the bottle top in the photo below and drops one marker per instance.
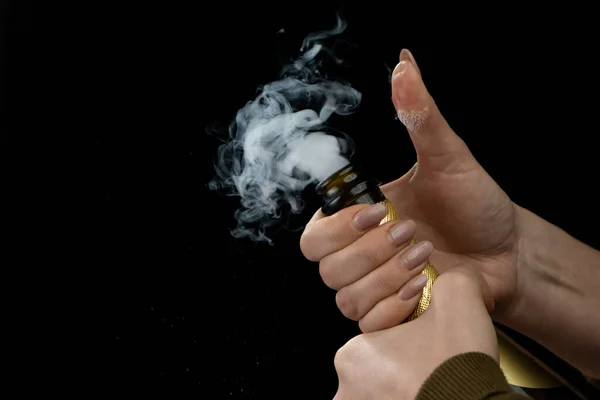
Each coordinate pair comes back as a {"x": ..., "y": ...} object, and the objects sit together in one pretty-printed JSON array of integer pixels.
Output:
[{"x": 346, "y": 187}]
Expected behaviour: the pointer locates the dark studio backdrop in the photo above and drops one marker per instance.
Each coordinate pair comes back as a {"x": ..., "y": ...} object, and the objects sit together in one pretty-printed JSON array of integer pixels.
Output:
[{"x": 190, "y": 312}]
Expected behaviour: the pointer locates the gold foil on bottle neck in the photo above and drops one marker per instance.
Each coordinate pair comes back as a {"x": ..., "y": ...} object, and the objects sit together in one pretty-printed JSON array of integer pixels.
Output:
[
  {"x": 519, "y": 368},
  {"x": 429, "y": 270}
]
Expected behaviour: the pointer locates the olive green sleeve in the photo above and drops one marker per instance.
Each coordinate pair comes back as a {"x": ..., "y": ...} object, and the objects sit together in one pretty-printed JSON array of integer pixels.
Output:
[{"x": 468, "y": 376}]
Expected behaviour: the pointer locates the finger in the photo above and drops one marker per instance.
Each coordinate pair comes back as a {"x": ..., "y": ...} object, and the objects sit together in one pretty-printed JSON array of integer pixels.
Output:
[
  {"x": 458, "y": 300},
  {"x": 467, "y": 289},
  {"x": 368, "y": 252},
  {"x": 357, "y": 299},
  {"x": 435, "y": 142},
  {"x": 324, "y": 235},
  {"x": 395, "y": 308}
]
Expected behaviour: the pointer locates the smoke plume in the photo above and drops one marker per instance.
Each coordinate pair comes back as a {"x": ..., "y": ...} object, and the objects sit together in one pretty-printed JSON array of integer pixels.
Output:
[{"x": 279, "y": 143}]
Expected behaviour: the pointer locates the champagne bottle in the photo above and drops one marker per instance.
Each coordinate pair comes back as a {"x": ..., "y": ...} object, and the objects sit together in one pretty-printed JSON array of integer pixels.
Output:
[{"x": 348, "y": 186}]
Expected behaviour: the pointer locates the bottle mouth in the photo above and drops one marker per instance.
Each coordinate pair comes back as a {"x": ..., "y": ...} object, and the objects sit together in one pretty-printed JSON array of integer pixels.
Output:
[
  {"x": 322, "y": 186},
  {"x": 346, "y": 186},
  {"x": 345, "y": 141}
]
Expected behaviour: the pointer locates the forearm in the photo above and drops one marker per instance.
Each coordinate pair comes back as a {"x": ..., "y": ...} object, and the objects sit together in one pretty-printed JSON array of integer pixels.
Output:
[
  {"x": 558, "y": 301},
  {"x": 467, "y": 376}
]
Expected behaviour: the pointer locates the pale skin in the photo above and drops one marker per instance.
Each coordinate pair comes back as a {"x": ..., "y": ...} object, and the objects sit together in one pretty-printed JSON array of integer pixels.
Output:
[
  {"x": 543, "y": 282},
  {"x": 393, "y": 363}
]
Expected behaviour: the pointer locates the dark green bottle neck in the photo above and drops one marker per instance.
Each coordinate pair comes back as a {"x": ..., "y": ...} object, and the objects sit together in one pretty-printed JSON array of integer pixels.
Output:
[{"x": 346, "y": 187}]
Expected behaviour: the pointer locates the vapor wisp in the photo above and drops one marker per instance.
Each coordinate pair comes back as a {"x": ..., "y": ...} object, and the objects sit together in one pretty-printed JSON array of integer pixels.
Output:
[{"x": 278, "y": 144}]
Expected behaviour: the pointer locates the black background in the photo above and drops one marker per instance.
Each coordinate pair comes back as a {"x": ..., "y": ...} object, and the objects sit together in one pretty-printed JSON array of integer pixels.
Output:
[{"x": 182, "y": 309}]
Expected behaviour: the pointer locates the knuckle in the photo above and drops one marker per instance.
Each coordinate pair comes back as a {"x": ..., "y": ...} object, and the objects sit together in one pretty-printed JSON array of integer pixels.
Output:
[
  {"x": 370, "y": 253},
  {"x": 369, "y": 256},
  {"x": 333, "y": 235},
  {"x": 340, "y": 359},
  {"x": 308, "y": 246},
  {"x": 365, "y": 325},
  {"x": 458, "y": 279},
  {"x": 347, "y": 304},
  {"x": 384, "y": 282},
  {"x": 457, "y": 285},
  {"x": 386, "y": 316},
  {"x": 322, "y": 237},
  {"x": 347, "y": 354},
  {"x": 353, "y": 352},
  {"x": 327, "y": 272}
]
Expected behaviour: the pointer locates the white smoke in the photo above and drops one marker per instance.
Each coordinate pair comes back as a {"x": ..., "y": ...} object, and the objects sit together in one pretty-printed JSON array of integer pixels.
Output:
[{"x": 278, "y": 142}]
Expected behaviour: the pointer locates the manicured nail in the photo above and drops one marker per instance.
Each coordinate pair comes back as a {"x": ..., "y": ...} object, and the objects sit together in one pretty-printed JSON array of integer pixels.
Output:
[
  {"x": 369, "y": 217},
  {"x": 400, "y": 68},
  {"x": 402, "y": 232},
  {"x": 416, "y": 254},
  {"x": 413, "y": 287},
  {"x": 406, "y": 55}
]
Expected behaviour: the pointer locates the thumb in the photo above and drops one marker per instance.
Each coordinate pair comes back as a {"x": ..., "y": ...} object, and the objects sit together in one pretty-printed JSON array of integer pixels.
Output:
[
  {"x": 460, "y": 289},
  {"x": 459, "y": 313},
  {"x": 436, "y": 143}
]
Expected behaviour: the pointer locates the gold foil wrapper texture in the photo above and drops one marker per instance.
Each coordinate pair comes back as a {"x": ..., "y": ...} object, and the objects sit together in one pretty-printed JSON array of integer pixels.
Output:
[
  {"x": 518, "y": 367},
  {"x": 429, "y": 270}
]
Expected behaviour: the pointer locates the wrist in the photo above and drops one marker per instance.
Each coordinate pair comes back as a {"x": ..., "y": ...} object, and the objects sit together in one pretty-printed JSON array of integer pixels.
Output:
[
  {"x": 556, "y": 296},
  {"x": 520, "y": 259},
  {"x": 545, "y": 257},
  {"x": 469, "y": 375},
  {"x": 530, "y": 240},
  {"x": 536, "y": 274}
]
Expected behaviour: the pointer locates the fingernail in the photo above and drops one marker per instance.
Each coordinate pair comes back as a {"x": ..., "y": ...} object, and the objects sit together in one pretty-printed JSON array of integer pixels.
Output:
[
  {"x": 400, "y": 68},
  {"x": 417, "y": 254},
  {"x": 403, "y": 232},
  {"x": 413, "y": 287},
  {"x": 369, "y": 217},
  {"x": 406, "y": 55}
]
